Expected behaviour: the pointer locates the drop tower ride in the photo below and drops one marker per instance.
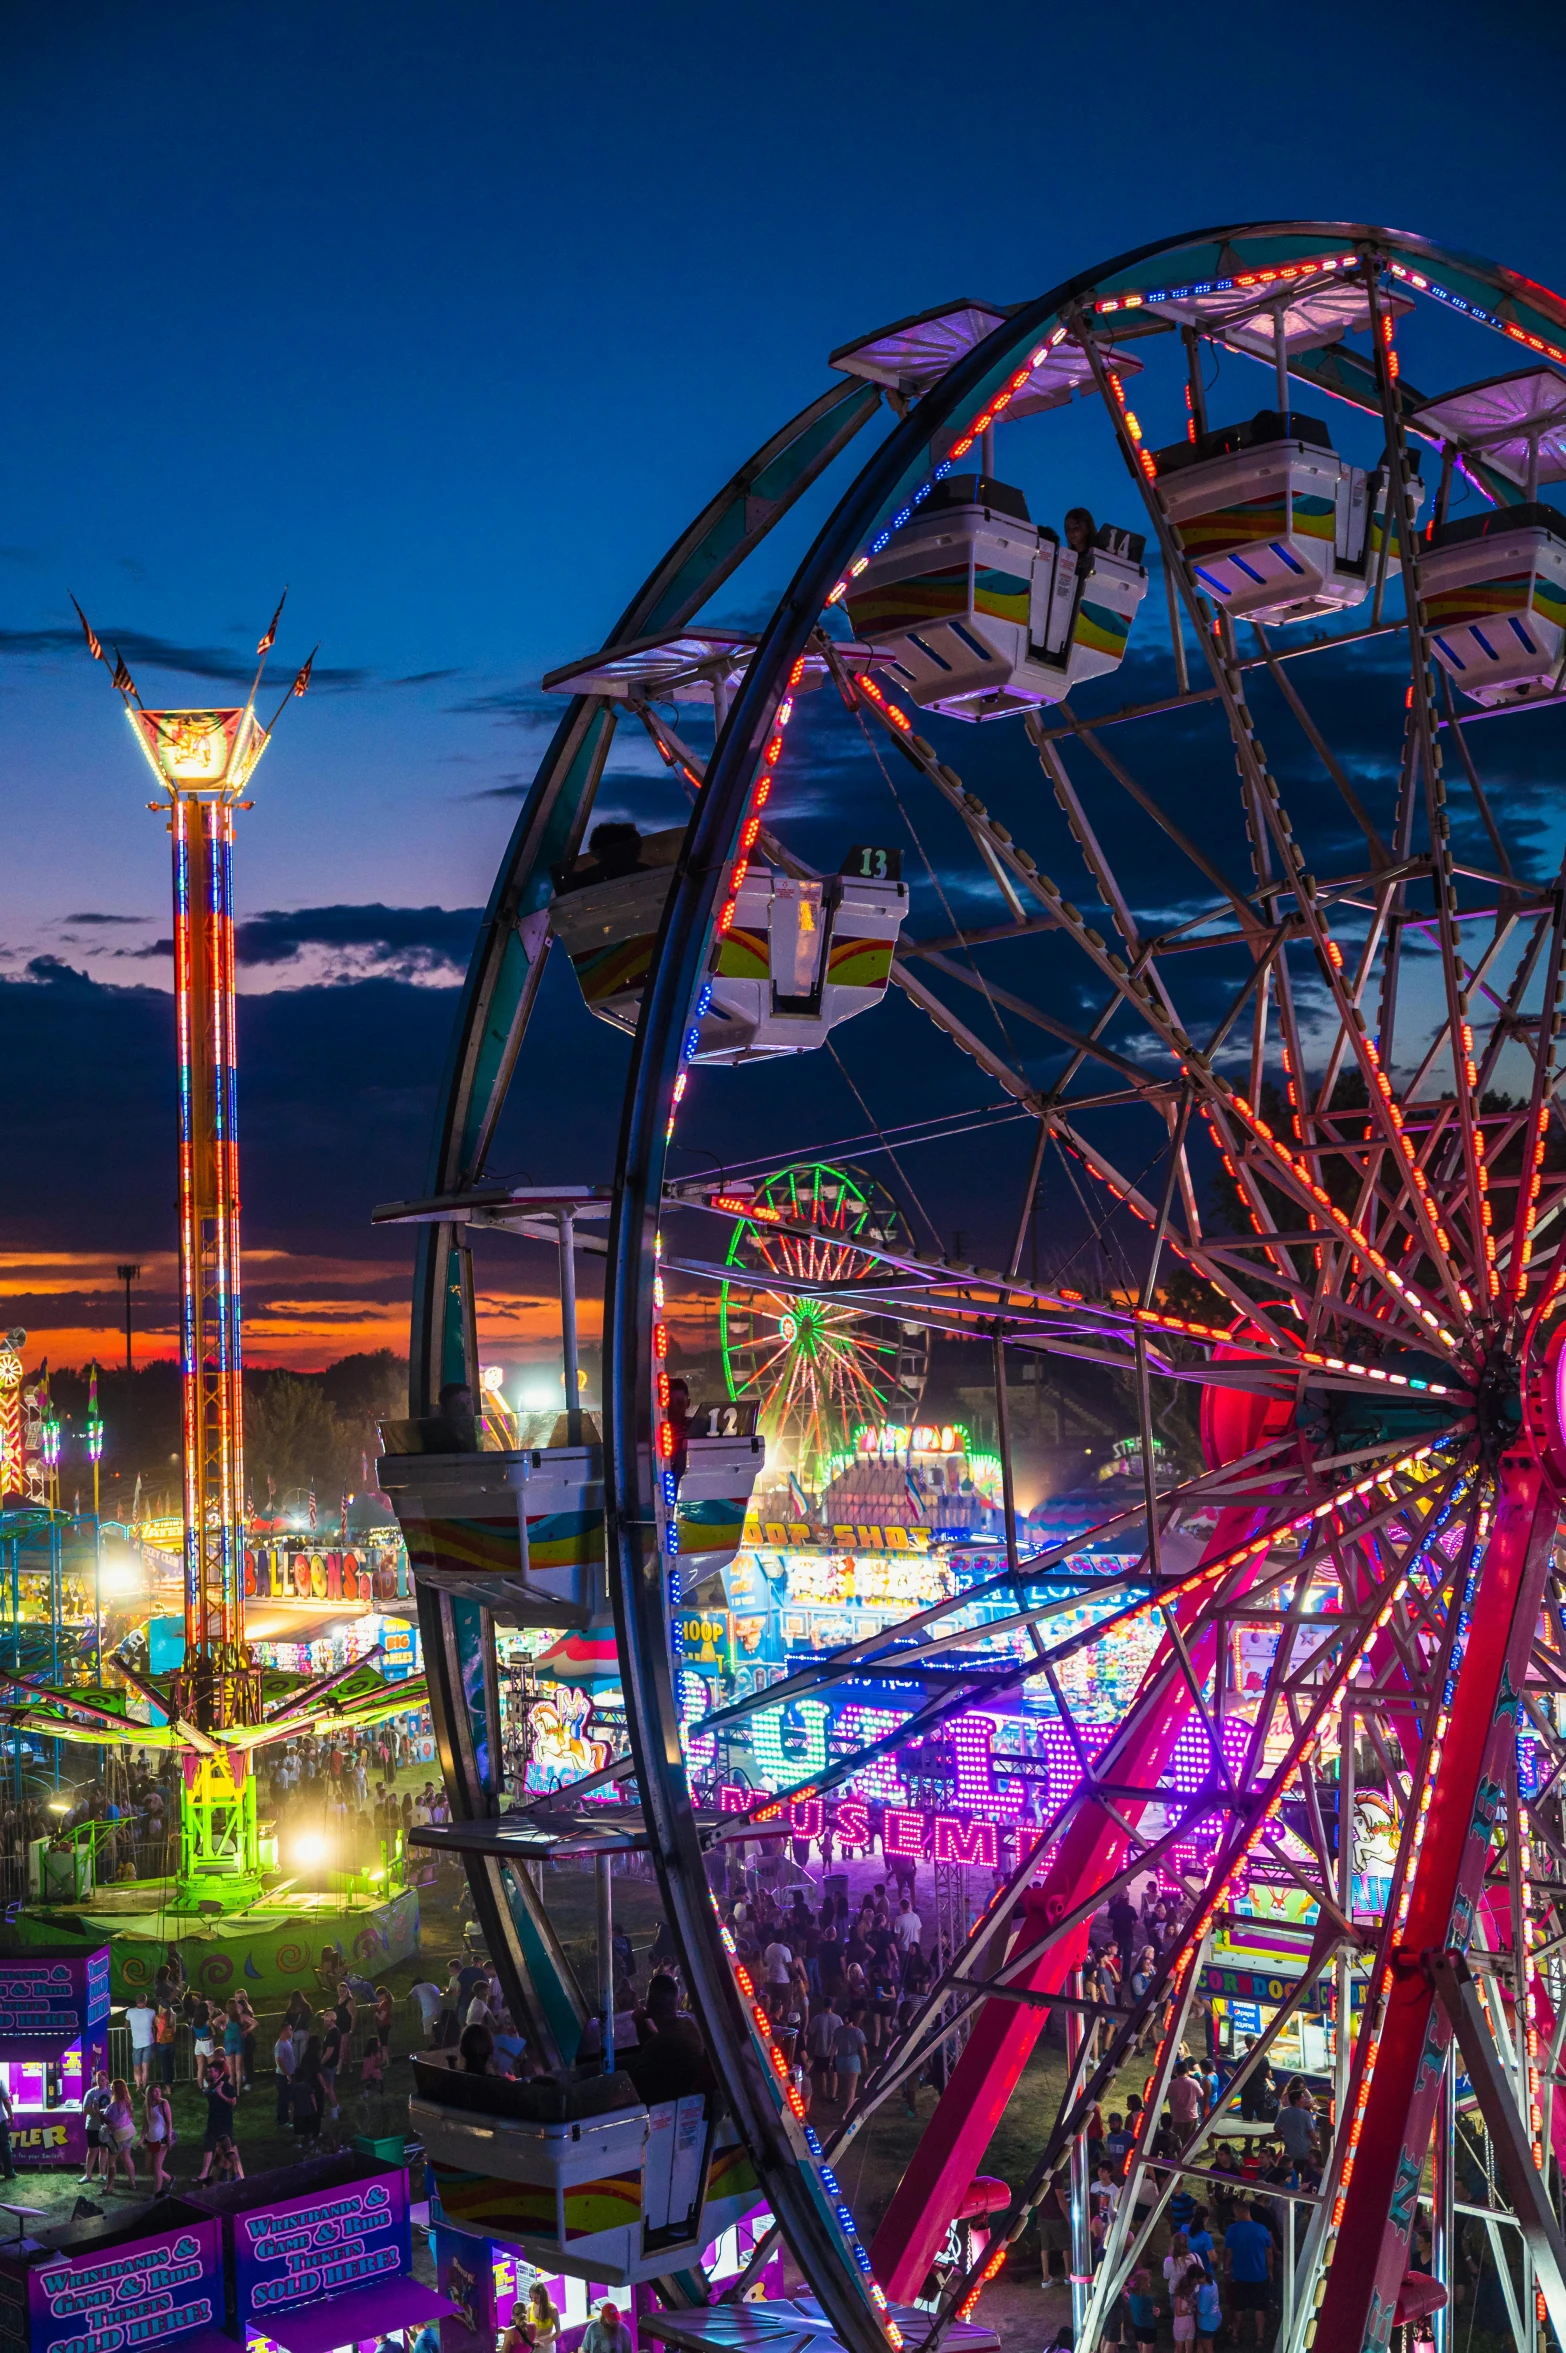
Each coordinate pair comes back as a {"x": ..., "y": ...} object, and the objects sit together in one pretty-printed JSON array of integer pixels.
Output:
[{"x": 203, "y": 761}]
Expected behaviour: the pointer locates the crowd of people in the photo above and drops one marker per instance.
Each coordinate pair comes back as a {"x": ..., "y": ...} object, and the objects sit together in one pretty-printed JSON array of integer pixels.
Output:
[
  {"x": 840, "y": 1982},
  {"x": 310, "y": 2058},
  {"x": 339, "y": 1790},
  {"x": 1224, "y": 2255}
]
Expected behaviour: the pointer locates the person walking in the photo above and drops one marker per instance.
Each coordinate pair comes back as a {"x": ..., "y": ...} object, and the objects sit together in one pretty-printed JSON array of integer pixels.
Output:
[
  {"x": 247, "y": 2047},
  {"x": 284, "y": 2061},
  {"x": 202, "y": 2028},
  {"x": 142, "y": 2019},
  {"x": 234, "y": 2046},
  {"x": 821, "y": 2045},
  {"x": 95, "y": 2106},
  {"x": 119, "y": 2133},
  {"x": 848, "y": 2056},
  {"x": 157, "y": 2133},
  {"x": 1295, "y": 2125},
  {"x": 306, "y": 2094},
  {"x": 1248, "y": 2259},
  {"x": 543, "y": 2319},
  {"x": 607, "y": 2332},
  {"x": 165, "y": 2035},
  {"x": 222, "y": 2096},
  {"x": 330, "y": 2041},
  {"x": 1185, "y": 2305},
  {"x": 431, "y": 2003}
]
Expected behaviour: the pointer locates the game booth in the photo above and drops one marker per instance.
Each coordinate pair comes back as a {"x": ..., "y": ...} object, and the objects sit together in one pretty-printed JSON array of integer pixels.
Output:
[
  {"x": 318, "y": 2256},
  {"x": 154, "y": 2275},
  {"x": 305, "y": 2260},
  {"x": 54, "y": 2017}
]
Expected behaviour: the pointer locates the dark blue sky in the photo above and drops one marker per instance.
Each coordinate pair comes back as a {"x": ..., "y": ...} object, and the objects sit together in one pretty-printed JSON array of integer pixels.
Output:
[{"x": 450, "y": 318}]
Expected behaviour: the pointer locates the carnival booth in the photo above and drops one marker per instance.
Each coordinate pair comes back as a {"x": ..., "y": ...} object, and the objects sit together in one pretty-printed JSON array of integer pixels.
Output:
[
  {"x": 317, "y": 2256},
  {"x": 155, "y": 2276},
  {"x": 487, "y": 2282},
  {"x": 1254, "y": 1968},
  {"x": 54, "y": 2016}
]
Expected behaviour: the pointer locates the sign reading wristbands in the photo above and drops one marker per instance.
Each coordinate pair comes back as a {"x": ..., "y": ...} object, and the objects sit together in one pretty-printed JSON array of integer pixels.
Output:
[
  {"x": 120, "y": 2298},
  {"x": 302, "y": 2251}
]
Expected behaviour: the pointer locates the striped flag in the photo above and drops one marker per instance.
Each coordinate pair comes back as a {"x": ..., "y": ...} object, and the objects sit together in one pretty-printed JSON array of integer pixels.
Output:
[
  {"x": 122, "y": 677},
  {"x": 270, "y": 639},
  {"x": 303, "y": 679},
  {"x": 94, "y": 642}
]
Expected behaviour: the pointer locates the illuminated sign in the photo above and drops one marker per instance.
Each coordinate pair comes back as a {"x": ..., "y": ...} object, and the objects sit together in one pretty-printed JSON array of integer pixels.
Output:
[
  {"x": 149, "y": 2292},
  {"x": 399, "y": 1650},
  {"x": 54, "y": 2000},
  {"x": 907, "y": 1832},
  {"x": 704, "y": 1641},
  {"x": 845, "y": 1536},
  {"x": 303, "y": 2250},
  {"x": 889, "y": 1441}
]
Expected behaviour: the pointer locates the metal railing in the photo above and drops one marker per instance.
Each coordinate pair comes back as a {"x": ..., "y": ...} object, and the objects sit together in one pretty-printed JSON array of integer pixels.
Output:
[{"x": 407, "y": 2034}]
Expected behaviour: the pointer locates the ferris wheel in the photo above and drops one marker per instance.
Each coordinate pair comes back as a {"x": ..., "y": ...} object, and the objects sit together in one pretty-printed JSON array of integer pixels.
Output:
[
  {"x": 1326, "y": 568},
  {"x": 823, "y": 1367}
]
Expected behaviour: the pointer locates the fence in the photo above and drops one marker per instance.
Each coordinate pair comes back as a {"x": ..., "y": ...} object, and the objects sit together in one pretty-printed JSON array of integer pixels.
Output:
[{"x": 407, "y": 2034}]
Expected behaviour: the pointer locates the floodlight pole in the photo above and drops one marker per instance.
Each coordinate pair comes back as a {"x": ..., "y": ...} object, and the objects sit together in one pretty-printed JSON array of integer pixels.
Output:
[{"x": 128, "y": 1275}]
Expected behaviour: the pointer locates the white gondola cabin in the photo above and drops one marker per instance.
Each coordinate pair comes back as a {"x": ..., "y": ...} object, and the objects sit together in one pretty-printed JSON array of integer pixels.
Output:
[
  {"x": 1495, "y": 598},
  {"x": 581, "y": 2174},
  {"x": 984, "y": 613},
  {"x": 792, "y": 958},
  {"x": 1495, "y": 583},
  {"x": 523, "y": 1530},
  {"x": 1275, "y": 526}
]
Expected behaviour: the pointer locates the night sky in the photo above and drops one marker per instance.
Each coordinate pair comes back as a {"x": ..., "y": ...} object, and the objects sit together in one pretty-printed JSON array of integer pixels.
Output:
[{"x": 450, "y": 319}]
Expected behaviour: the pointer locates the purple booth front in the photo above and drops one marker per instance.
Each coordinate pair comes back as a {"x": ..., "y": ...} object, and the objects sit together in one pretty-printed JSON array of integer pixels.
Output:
[
  {"x": 153, "y": 2279},
  {"x": 54, "y": 2017},
  {"x": 319, "y": 2255}
]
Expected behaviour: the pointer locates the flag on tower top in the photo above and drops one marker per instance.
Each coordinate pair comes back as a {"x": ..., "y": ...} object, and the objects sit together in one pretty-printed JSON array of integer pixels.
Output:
[
  {"x": 94, "y": 642},
  {"x": 122, "y": 677},
  {"x": 270, "y": 639},
  {"x": 303, "y": 679}
]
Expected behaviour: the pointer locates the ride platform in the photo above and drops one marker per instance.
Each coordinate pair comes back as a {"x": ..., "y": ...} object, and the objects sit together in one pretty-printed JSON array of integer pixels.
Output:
[{"x": 272, "y": 1949}]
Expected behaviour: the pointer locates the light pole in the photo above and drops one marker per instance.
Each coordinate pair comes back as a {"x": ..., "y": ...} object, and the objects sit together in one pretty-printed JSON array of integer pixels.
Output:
[
  {"x": 128, "y": 1275},
  {"x": 95, "y": 1455}
]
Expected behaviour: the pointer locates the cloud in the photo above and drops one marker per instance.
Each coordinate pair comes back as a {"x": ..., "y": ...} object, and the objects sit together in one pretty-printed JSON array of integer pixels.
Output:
[
  {"x": 54, "y": 972},
  {"x": 512, "y": 787},
  {"x": 516, "y": 706},
  {"x": 420, "y": 944},
  {"x": 162, "y": 653},
  {"x": 90, "y": 915}
]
